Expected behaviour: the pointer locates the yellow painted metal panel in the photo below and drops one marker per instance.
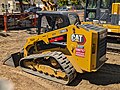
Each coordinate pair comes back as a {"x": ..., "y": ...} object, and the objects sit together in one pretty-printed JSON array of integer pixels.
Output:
[
  {"x": 116, "y": 8},
  {"x": 83, "y": 62},
  {"x": 112, "y": 28}
]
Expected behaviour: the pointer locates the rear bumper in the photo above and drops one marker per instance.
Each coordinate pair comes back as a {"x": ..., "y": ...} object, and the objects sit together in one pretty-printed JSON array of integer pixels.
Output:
[{"x": 102, "y": 61}]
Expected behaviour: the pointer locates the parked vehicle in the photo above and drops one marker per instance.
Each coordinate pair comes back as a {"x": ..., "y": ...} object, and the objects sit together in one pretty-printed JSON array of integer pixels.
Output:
[
  {"x": 64, "y": 8},
  {"x": 33, "y": 9}
]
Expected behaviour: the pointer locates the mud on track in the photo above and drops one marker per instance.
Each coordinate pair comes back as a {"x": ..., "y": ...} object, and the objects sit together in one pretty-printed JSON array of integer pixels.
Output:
[{"x": 107, "y": 78}]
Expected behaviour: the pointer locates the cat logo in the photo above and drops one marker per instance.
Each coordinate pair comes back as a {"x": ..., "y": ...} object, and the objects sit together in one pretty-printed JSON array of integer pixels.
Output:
[{"x": 78, "y": 38}]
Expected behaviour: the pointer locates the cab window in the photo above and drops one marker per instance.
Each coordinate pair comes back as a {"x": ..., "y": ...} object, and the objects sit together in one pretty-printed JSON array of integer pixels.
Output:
[{"x": 73, "y": 19}]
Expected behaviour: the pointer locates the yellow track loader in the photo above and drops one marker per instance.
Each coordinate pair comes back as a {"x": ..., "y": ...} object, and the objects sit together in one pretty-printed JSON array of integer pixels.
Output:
[{"x": 62, "y": 47}]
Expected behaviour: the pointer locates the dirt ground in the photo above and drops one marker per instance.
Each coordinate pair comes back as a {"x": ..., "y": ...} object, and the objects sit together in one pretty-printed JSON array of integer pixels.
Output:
[{"x": 14, "y": 42}]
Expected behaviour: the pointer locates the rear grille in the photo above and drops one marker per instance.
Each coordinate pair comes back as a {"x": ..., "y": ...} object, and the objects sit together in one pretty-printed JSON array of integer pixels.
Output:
[
  {"x": 102, "y": 47},
  {"x": 102, "y": 44}
]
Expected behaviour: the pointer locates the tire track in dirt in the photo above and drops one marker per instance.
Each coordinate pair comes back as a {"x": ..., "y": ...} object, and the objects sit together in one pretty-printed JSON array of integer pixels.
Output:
[
  {"x": 38, "y": 80},
  {"x": 48, "y": 85},
  {"x": 20, "y": 82},
  {"x": 83, "y": 85}
]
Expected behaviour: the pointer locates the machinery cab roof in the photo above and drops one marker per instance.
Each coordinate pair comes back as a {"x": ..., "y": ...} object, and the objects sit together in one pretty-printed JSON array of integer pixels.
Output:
[{"x": 53, "y": 20}]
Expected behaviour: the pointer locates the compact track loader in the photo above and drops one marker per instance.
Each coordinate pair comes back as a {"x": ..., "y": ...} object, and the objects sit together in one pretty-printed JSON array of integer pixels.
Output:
[{"x": 61, "y": 48}]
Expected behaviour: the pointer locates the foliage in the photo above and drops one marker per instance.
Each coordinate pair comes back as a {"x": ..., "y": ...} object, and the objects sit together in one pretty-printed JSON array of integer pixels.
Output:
[{"x": 70, "y": 2}]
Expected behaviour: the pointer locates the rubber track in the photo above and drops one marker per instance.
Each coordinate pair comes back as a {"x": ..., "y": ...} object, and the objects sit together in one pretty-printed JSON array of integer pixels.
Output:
[
  {"x": 113, "y": 50},
  {"x": 62, "y": 60},
  {"x": 113, "y": 44}
]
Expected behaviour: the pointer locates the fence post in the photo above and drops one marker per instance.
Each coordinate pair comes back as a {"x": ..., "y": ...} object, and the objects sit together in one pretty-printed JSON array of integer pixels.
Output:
[
  {"x": 35, "y": 20},
  {"x": 5, "y": 22}
]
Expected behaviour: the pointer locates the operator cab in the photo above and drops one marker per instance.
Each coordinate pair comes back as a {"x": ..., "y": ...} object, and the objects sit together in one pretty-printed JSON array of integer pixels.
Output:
[{"x": 53, "y": 20}]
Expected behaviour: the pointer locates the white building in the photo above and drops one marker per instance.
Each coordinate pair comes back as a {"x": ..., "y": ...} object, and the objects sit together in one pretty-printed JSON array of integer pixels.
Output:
[{"x": 10, "y": 5}]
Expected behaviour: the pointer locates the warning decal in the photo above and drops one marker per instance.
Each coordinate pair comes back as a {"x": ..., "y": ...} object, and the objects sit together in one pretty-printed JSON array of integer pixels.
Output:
[{"x": 80, "y": 52}]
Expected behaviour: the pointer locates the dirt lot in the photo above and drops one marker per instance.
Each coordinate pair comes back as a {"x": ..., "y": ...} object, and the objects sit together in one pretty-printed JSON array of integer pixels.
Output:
[{"x": 23, "y": 81}]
